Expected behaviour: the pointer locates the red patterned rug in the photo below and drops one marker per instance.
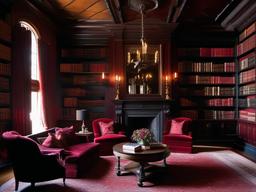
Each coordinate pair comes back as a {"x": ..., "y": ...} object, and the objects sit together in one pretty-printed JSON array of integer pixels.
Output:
[{"x": 220, "y": 171}]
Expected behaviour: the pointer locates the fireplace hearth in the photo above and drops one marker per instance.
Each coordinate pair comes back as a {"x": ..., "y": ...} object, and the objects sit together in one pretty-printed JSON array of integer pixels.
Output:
[{"x": 134, "y": 114}]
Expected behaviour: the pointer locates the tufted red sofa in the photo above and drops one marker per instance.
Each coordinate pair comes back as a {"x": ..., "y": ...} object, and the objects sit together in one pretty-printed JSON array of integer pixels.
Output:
[
  {"x": 180, "y": 139},
  {"x": 77, "y": 157}
]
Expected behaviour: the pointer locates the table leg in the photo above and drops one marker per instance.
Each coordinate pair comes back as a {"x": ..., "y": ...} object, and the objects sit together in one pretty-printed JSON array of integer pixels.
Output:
[
  {"x": 141, "y": 176},
  {"x": 118, "y": 173},
  {"x": 165, "y": 164}
]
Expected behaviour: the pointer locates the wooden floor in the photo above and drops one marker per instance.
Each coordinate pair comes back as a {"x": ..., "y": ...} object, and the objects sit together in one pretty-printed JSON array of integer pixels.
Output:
[{"x": 5, "y": 175}]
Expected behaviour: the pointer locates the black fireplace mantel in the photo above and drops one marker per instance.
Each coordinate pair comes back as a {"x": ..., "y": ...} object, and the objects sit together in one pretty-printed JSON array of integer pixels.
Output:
[{"x": 128, "y": 112}]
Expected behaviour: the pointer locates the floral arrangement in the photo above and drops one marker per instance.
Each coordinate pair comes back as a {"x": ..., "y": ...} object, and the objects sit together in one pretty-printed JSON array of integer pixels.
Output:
[{"x": 143, "y": 136}]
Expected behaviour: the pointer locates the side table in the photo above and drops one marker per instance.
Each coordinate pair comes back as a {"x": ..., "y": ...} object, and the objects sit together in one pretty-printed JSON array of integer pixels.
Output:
[{"x": 87, "y": 135}]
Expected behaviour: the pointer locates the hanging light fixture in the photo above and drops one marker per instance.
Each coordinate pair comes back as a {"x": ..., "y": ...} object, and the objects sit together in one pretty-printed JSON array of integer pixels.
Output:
[{"x": 144, "y": 45}]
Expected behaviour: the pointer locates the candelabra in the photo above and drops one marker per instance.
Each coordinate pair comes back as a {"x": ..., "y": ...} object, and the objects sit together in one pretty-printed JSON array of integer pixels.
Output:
[
  {"x": 167, "y": 97},
  {"x": 118, "y": 78}
]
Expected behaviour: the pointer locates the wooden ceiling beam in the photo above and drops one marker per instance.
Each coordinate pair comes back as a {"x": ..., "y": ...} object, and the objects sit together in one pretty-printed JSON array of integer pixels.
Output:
[
  {"x": 115, "y": 10},
  {"x": 175, "y": 9}
]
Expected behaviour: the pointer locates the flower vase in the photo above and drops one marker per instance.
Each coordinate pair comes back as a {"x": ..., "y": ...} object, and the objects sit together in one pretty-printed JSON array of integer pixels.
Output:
[{"x": 144, "y": 144}]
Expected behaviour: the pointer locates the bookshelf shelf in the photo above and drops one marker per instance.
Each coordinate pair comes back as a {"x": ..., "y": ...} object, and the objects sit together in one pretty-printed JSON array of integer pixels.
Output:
[
  {"x": 246, "y": 53},
  {"x": 206, "y": 92},
  {"x": 82, "y": 86}
]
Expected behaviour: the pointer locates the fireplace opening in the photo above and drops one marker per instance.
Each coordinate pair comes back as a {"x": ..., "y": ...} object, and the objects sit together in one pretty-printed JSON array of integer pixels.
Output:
[{"x": 140, "y": 122}]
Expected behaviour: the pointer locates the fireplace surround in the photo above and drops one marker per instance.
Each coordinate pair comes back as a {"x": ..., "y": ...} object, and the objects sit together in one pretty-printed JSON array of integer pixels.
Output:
[{"x": 135, "y": 114}]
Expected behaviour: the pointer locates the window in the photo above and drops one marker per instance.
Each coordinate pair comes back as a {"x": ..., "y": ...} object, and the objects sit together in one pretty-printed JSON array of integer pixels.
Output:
[{"x": 36, "y": 114}]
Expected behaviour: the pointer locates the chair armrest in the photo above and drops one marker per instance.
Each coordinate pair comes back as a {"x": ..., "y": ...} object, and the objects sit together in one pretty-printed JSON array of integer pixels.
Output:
[
  {"x": 52, "y": 159},
  {"x": 121, "y": 132}
]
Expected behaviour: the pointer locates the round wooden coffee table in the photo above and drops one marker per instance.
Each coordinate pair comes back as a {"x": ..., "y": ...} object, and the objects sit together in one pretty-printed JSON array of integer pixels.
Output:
[{"x": 142, "y": 158}]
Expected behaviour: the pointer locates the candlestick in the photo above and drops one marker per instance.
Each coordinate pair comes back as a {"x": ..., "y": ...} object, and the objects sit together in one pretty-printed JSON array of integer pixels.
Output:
[
  {"x": 118, "y": 79},
  {"x": 102, "y": 75},
  {"x": 167, "y": 97}
]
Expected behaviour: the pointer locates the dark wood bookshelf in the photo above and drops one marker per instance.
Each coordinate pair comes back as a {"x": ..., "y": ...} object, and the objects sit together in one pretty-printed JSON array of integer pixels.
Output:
[
  {"x": 247, "y": 62},
  {"x": 213, "y": 123},
  {"x": 80, "y": 72}
]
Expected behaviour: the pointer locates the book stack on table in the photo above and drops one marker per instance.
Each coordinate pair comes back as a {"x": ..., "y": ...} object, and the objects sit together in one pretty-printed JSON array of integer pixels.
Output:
[{"x": 132, "y": 147}]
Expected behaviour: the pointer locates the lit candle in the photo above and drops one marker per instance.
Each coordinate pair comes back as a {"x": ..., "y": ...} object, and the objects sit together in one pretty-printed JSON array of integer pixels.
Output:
[
  {"x": 129, "y": 57},
  {"x": 166, "y": 78},
  {"x": 102, "y": 75},
  {"x": 138, "y": 55},
  {"x": 175, "y": 76}
]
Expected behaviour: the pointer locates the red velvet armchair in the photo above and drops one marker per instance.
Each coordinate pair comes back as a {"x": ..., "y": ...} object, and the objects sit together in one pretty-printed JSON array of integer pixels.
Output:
[
  {"x": 177, "y": 135},
  {"x": 29, "y": 164},
  {"x": 109, "y": 138}
]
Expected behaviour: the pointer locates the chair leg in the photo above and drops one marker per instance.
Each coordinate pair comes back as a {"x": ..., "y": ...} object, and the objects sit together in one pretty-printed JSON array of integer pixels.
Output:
[
  {"x": 32, "y": 184},
  {"x": 16, "y": 185},
  {"x": 64, "y": 179}
]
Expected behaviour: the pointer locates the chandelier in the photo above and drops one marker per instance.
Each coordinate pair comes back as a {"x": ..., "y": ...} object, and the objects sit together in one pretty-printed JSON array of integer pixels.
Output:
[{"x": 143, "y": 6}]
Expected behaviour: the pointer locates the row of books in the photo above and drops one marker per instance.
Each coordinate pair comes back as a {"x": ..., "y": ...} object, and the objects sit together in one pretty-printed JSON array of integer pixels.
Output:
[
  {"x": 221, "y": 102},
  {"x": 82, "y": 80},
  {"x": 248, "y": 89},
  {"x": 219, "y": 91},
  {"x": 248, "y": 102},
  {"x": 247, "y": 76},
  {"x": 206, "y": 67},
  {"x": 246, "y": 45},
  {"x": 84, "y": 52},
  {"x": 210, "y": 91},
  {"x": 5, "y": 52},
  {"x": 74, "y": 92},
  {"x": 206, "y": 52},
  {"x": 247, "y": 132},
  {"x": 5, "y": 113},
  {"x": 92, "y": 67},
  {"x": 210, "y": 102},
  {"x": 5, "y": 69},
  {"x": 247, "y": 61},
  {"x": 247, "y": 31},
  {"x": 69, "y": 113},
  {"x": 209, "y": 114},
  {"x": 193, "y": 114},
  {"x": 4, "y": 98},
  {"x": 219, "y": 115},
  {"x": 248, "y": 114},
  {"x": 5, "y": 32},
  {"x": 4, "y": 83},
  {"x": 184, "y": 102},
  {"x": 75, "y": 102},
  {"x": 197, "y": 79}
]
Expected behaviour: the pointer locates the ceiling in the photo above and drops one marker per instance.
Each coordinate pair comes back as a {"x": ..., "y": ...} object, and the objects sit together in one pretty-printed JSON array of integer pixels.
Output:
[
  {"x": 92, "y": 19},
  {"x": 120, "y": 11}
]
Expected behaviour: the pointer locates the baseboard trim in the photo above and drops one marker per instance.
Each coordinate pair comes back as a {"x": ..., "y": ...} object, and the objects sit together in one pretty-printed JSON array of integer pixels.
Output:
[{"x": 247, "y": 149}]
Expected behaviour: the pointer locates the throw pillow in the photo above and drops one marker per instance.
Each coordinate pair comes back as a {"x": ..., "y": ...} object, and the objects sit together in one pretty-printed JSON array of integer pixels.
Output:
[
  {"x": 106, "y": 128},
  {"x": 67, "y": 136},
  {"x": 52, "y": 141},
  {"x": 176, "y": 127}
]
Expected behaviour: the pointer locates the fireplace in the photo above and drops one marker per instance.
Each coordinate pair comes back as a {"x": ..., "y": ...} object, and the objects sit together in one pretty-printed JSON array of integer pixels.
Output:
[{"x": 134, "y": 114}]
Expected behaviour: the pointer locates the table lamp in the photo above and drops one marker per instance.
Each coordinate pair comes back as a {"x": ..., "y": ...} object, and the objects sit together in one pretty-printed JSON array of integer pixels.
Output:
[{"x": 81, "y": 115}]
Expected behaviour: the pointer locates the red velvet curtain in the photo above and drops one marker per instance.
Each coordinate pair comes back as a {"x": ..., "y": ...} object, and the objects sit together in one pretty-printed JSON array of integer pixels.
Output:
[
  {"x": 43, "y": 57},
  {"x": 21, "y": 83}
]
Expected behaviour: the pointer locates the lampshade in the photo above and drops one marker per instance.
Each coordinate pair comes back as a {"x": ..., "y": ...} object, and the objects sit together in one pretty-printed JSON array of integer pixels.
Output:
[{"x": 81, "y": 114}]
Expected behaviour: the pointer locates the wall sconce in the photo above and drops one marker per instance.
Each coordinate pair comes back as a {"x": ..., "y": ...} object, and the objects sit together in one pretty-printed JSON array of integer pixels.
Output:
[
  {"x": 167, "y": 79},
  {"x": 82, "y": 115},
  {"x": 117, "y": 80}
]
